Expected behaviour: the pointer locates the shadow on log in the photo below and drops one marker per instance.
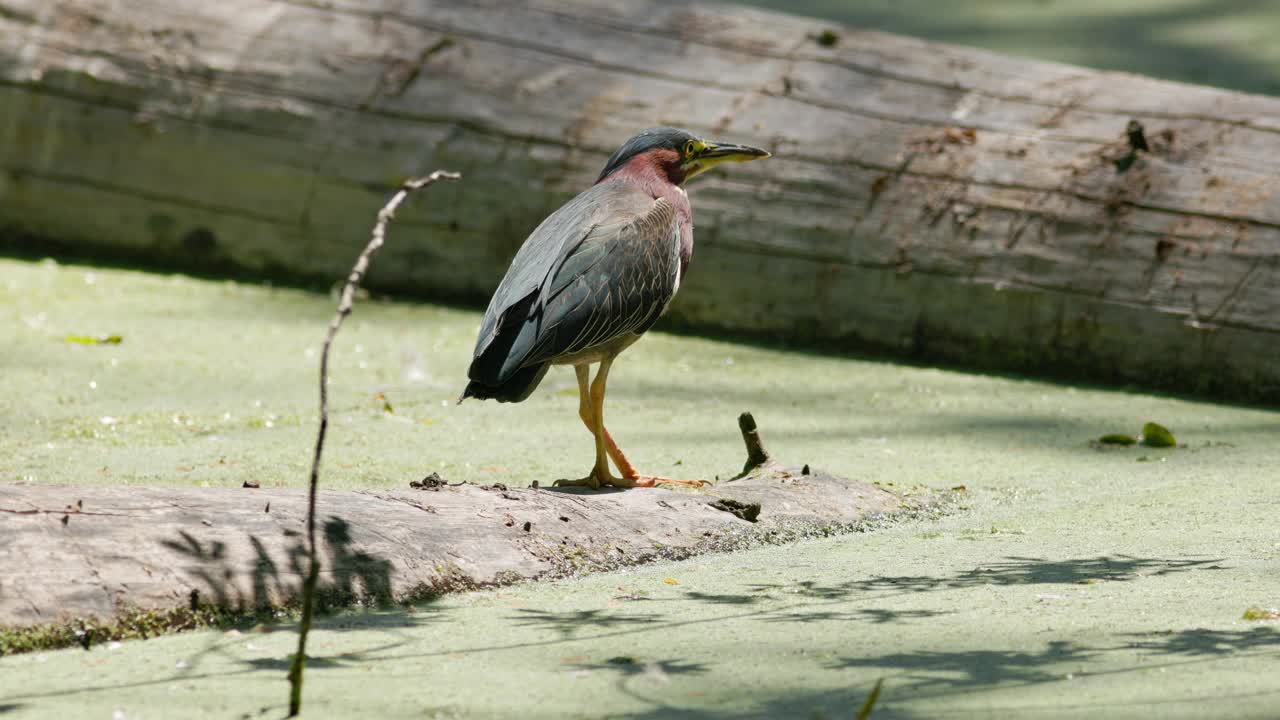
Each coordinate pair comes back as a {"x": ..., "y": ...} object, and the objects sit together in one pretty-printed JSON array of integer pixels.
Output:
[{"x": 75, "y": 552}]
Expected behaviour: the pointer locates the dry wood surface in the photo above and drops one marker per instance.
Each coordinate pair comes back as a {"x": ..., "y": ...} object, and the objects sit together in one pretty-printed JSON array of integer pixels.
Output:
[{"x": 91, "y": 552}]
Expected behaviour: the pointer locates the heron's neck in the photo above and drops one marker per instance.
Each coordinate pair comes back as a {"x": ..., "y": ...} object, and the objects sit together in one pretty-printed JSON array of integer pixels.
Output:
[{"x": 646, "y": 172}]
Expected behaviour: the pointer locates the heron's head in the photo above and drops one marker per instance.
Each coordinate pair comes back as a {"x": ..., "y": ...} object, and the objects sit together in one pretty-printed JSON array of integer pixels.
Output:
[{"x": 678, "y": 153}]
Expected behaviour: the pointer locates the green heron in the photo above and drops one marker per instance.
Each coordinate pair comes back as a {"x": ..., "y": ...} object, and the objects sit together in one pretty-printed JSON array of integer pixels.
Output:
[{"x": 592, "y": 278}]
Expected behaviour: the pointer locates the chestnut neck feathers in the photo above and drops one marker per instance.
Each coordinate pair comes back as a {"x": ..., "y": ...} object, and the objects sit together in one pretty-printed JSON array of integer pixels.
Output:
[{"x": 652, "y": 172}]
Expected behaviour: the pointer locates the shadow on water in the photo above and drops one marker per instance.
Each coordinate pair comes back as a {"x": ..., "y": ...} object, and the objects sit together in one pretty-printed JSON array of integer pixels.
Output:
[
  {"x": 816, "y": 705},
  {"x": 936, "y": 675},
  {"x": 808, "y": 601},
  {"x": 569, "y": 623},
  {"x": 721, "y": 598},
  {"x": 629, "y": 667},
  {"x": 875, "y": 616},
  {"x": 927, "y": 669},
  {"x": 643, "y": 680},
  {"x": 804, "y": 601},
  {"x": 945, "y": 672},
  {"x": 1201, "y": 642},
  {"x": 1008, "y": 571},
  {"x": 913, "y": 675}
]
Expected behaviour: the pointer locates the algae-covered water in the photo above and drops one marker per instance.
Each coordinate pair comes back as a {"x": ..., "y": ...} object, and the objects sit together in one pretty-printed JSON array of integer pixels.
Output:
[
  {"x": 1072, "y": 581},
  {"x": 214, "y": 382}
]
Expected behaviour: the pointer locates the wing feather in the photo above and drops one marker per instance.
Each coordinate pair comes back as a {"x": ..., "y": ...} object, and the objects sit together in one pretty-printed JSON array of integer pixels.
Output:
[
  {"x": 622, "y": 280},
  {"x": 604, "y": 265}
]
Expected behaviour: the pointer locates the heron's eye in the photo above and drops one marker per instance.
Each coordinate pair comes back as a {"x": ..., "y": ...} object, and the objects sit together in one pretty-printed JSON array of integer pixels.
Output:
[{"x": 690, "y": 148}]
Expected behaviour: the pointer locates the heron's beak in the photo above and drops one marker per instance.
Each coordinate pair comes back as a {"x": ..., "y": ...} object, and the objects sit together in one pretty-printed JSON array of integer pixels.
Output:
[{"x": 716, "y": 153}]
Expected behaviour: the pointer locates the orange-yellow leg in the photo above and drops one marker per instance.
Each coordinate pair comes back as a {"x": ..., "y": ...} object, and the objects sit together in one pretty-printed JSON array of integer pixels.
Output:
[
  {"x": 592, "y": 414},
  {"x": 592, "y": 402}
]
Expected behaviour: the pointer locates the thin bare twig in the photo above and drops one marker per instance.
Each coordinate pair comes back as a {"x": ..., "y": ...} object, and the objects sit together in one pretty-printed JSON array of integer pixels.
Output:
[
  {"x": 870, "y": 703},
  {"x": 345, "y": 303}
]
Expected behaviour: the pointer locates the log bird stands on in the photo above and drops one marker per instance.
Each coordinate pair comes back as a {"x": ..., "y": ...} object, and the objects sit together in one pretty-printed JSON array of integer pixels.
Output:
[{"x": 592, "y": 278}]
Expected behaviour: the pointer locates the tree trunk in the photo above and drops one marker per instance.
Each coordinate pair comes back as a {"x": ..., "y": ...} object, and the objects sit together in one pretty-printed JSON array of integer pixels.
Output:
[{"x": 929, "y": 201}]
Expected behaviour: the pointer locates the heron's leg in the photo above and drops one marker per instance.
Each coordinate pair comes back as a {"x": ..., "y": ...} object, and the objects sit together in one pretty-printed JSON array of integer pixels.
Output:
[
  {"x": 637, "y": 478},
  {"x": 588, "y": 415},
  {"x": 591, "y": 410},
  {"x": 592, "y": 415},
  {"x": 634, "y": 478},
  {"x": 584, "y": 397}
]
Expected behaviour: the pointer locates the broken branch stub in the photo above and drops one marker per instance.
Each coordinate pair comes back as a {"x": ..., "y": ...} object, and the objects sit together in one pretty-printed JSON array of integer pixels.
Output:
[{"x": 756, "y": 454}]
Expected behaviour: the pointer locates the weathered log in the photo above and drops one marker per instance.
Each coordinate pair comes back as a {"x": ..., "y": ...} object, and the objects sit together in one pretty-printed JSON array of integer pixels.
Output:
[
  {"x": 925, "y": 200},
  {"x": 92, "y": 552}
]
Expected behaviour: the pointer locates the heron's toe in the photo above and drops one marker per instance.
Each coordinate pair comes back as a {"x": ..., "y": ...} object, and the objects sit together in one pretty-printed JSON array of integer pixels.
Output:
[
  {"x": 639, "y": 480},
  {"x": 591, "y": 481}
]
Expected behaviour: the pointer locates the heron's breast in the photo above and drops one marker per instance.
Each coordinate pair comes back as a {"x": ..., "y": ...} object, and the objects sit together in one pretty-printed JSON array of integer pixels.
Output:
[{"x": 684, "y": 220}]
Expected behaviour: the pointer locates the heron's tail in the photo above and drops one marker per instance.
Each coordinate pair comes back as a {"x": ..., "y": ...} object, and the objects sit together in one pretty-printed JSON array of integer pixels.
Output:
[{"x": 516, "y": 388}]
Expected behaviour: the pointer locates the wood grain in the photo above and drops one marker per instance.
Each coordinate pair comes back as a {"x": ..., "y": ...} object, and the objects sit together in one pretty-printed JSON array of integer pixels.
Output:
[{"x": 80, "y": 552}]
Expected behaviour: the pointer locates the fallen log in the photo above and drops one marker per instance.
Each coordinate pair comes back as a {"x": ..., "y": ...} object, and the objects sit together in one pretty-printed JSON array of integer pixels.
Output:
[
  {"x": 924, "y": 200},
  {"x": 70, "y": 553}
]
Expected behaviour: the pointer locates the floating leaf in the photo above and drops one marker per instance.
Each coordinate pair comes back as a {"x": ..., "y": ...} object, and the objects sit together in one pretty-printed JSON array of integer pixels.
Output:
[
  {"x": 1154, "y": 435},
  {"x": 386, "y": 404},
  {"x": 671, "y": 581},
  {"x": 1117, "y": 439},
  {"x": 1260, "y": 613},
  {"x": 94, "y": 340}
]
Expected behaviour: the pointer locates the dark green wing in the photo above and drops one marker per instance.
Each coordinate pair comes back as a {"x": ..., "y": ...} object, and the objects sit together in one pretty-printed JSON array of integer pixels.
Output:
[
  {"x": 602, "y": 265},
  {"x": 617, "y": 281}
]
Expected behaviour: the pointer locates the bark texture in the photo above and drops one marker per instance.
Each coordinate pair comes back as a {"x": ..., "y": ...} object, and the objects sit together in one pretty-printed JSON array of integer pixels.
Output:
[
  {"x": 77, "y": 552},
  {"x": 923, "y": 200}
]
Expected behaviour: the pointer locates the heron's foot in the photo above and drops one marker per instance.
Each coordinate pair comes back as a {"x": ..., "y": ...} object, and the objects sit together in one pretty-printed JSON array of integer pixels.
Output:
[
  {"x": 635, "y": 479},
  {"x": 603, "y": 478},
  {"x": 595, "y": 480}
]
